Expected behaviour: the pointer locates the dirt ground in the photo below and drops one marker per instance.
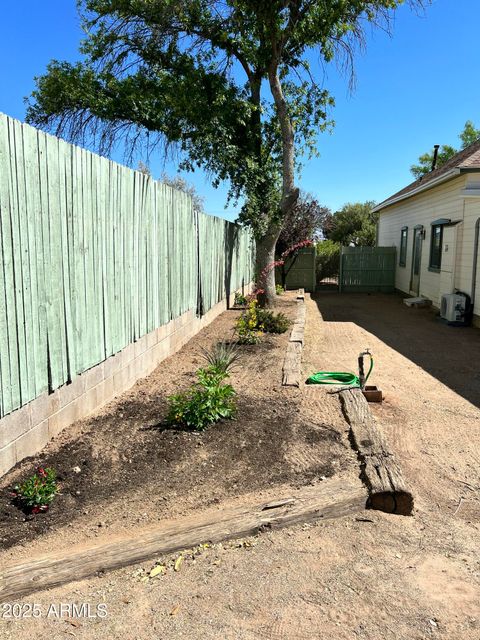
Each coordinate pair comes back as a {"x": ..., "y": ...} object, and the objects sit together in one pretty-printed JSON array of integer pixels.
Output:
[
  {"x": 135, "y": 471},
  {"x": 372, "y": 576}
]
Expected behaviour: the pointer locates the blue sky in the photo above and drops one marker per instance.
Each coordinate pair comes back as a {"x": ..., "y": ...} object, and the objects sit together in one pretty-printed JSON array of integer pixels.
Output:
[{"x": 413, "y": 90}]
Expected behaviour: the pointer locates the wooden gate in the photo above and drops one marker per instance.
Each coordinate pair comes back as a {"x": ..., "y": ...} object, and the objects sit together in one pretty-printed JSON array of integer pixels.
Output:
[{"x": 367, "y": 269}]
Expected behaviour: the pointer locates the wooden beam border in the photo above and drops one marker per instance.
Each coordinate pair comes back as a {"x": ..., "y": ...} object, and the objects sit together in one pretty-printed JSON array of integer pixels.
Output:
[
  {"x": 380, "y": 470},
  {"x": 292, "y": 365},
  {"x": 330, "y": 499}
]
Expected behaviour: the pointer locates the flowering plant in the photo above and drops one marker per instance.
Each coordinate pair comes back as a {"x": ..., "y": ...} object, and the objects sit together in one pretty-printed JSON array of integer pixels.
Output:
[
  {"x": 248, "y": 325},
  {"x": 262, "y": 278},
  {"x": 37, "y": 492}
]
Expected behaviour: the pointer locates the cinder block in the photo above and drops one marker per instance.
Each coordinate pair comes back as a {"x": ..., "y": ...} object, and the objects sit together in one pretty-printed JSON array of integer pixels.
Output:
[
  {"x": 128, "y": 354},
  {"x": 140, "y": 346},
  {"x": 32, "y": 442},
  {"x": 40, "y": 408},
  {"x": 8, "y": 458},
  {"x": 13, "y": 425},
  {"x": 68, "y": 393},
  {"x": 120, "y": 379},
  {"x": 160, "y": 352},
  {"x": 94, "y": 376},
  {"x": 151, "y": 360},
  {"x": 66, "y": 416},
  {"x": 112, "y": 365},
  {"x": 88, "y": 402},
  {"x": 131, "y": 377},
  {"x": 100, "y": 395},
  {"x": 162, "y": 332},
  {"x": 151, "y": 339},
  {"x": 176, "y": 324},
  {"x": 108, "y": 389}
]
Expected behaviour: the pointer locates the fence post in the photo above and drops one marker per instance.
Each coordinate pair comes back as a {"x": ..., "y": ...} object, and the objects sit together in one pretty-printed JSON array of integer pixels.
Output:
[{"x": 340, "y": 276}]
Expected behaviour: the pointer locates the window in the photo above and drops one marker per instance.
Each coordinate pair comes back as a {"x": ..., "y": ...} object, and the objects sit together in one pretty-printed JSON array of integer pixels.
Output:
[
  {"x": 402, "y": 261},
  {"x": 436, "y": 247}
]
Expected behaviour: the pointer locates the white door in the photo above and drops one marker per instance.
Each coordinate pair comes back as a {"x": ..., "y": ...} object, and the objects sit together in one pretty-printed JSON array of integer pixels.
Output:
[{"x": 447, "y": 267}]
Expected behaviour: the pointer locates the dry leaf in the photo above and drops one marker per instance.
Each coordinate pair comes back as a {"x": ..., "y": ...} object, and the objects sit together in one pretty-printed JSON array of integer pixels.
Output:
[
  {"x": 159, "y": 569},
  {"x": 178, "y": 563}
]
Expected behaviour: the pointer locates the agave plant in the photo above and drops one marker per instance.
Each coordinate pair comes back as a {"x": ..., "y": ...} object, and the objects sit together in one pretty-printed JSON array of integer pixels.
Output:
[{"x": 222, "y": 357}]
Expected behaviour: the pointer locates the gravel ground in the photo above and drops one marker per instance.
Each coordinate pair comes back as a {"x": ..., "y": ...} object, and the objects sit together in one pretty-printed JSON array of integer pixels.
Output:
[{"x": 373, "y": 576}]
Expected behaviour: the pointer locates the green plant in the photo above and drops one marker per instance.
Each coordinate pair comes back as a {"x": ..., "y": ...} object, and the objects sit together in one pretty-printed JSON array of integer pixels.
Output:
[
  {"x": 254, "y": 320},
  {"x": 240, "y": 300},
  {"x": 38, "y": 491},
  {"x": 272, "y": 322},
  {"x": 247, "y": 324},
  {"x": 327, "y": 259},
  {"x": 222, "y": 357},
  {"x": 279, "y": 289},
  {"x": 205, "y": 403}
]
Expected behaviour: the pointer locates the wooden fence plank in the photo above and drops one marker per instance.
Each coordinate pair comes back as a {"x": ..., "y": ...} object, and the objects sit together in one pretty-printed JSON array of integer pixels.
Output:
[
  {"x": 6, "y": 374},
  {"x": 93, "y": 256},
  {"x": 8, "y": 222}
]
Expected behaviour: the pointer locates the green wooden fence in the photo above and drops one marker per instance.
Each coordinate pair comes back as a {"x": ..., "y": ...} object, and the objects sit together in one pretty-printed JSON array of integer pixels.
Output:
[
  {"x": 299, "y": 270},
  {"x": 367, "y": 269},
  {"x": 94, "y": 255}
]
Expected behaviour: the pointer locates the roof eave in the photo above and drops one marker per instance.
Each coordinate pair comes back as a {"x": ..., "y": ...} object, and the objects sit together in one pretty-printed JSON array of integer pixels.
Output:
[{"x": 449, "y": 175}]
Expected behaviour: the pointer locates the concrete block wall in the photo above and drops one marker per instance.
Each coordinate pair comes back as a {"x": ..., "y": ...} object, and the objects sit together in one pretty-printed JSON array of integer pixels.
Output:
[{"x": 27, "y": 430}]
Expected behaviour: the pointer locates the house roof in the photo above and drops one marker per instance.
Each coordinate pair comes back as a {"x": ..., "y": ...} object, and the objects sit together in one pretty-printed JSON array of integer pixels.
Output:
[{"x": 467, "y": 159}]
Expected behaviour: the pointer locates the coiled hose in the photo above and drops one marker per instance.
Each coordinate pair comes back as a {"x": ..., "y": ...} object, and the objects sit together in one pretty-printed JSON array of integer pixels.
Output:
[{"x": 338, "y": 377}]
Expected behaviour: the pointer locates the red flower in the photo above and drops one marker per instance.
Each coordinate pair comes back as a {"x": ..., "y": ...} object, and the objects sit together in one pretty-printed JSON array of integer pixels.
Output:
[{"x": 42, "y": 472}]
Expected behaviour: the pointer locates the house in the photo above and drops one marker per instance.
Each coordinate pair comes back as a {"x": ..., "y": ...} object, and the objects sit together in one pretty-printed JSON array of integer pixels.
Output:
[{"x": 434, "y": 224}]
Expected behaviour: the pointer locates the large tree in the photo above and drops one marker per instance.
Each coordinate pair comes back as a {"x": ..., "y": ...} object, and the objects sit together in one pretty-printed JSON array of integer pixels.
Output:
[
  {"x": 469, "y": 135},
  {"x": 228, "y": 82},
  {"x": 354, "y": 224},
  {"x": 303, "y": 223}
]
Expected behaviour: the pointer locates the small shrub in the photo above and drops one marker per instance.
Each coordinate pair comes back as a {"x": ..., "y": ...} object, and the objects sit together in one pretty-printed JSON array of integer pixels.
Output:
[
  {"x": 37, "y": 493},
  {"x": 222, "y": 357},
  {"x": 279, "y": 289},
  {"x": 240, "y": 300},
  {"x": 327, "y": 259},
  {"x": 272, "y": 322},
  {"x": 247, "y": 324},
  {"x": 254, "y": 320},
  {"x": 205, "y": 403}
]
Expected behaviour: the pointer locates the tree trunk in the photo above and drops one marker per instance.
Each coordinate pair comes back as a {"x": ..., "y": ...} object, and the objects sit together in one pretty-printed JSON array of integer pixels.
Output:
[
  {"x": 290, "y": 193},
  {"x": 265, "y": 257}
]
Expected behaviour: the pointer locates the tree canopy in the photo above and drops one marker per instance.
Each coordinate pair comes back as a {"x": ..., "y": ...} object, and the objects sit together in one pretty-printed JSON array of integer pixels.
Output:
[
  {"x": 304, "y": 222},
  {"x": 354, "y": 224},
  {"x": 228, "y": 83},
  {"x": 469, "y": 135}
]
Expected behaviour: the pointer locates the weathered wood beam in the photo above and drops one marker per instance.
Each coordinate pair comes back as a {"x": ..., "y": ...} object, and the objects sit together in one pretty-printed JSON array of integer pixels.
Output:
[
  {"x": 292, "y": 365},
  {"x": 330, "y": 499},
  {"x": 382, "y": 474}
]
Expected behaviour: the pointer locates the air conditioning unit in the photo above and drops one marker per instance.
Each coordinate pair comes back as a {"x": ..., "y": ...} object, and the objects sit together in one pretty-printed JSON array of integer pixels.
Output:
[{"x": 455, "y": 308}]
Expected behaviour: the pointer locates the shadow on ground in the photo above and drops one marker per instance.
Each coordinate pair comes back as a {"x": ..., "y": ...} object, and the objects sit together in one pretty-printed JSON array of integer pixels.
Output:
[{"x": 450, "y": 354}]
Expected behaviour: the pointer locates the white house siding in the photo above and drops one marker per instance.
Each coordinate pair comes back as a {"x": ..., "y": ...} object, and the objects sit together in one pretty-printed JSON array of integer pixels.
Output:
[
  {"x": 464, "y": 262},
  {"x": 443, "y": 201}
]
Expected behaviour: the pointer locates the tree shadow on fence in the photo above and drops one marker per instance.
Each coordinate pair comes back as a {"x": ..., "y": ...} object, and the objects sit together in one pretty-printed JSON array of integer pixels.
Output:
[{"x": 231, "y": 247}]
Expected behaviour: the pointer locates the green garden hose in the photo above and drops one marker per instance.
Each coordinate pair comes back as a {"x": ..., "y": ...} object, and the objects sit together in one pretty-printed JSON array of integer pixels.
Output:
[{"x": 338, "y": 377}]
